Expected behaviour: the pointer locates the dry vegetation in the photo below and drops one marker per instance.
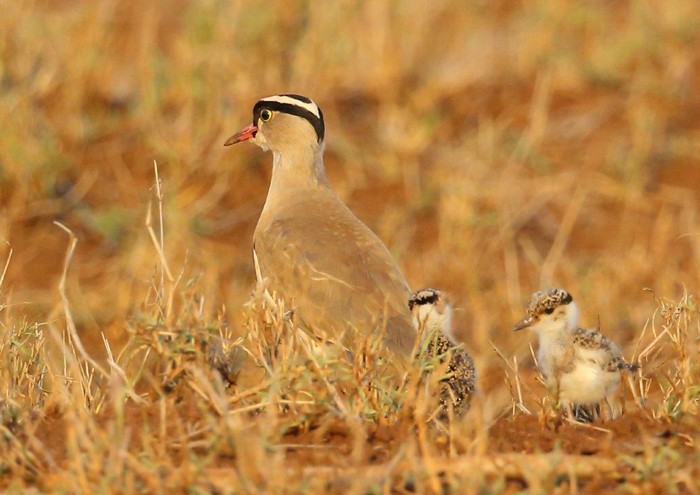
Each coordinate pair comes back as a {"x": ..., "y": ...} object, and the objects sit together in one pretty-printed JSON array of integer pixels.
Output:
[{"x": 496, "y": 148}]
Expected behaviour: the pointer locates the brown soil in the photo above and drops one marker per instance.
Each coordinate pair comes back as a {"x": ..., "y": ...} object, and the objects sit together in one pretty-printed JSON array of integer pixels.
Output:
[{"x": 328, "y": 448}]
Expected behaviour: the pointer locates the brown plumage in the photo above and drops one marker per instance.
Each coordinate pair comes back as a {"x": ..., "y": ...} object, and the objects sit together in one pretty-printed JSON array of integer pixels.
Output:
[{"x": 311, "y": 250}]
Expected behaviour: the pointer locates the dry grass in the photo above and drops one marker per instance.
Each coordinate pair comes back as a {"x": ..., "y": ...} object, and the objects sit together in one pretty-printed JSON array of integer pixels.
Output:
[{"x": 496, "y": 148}]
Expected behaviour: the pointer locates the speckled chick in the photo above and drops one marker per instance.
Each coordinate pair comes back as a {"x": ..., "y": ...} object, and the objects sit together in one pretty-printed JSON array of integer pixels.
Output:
[
  {"x": 581, "y": 366},
  {"x": 432, "y": 317}
]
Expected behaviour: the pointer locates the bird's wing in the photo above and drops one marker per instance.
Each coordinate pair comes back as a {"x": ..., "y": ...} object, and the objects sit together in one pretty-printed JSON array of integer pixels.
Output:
[
  {"x": 600, "y": 349},
  {"x": 334, "y": 270}
]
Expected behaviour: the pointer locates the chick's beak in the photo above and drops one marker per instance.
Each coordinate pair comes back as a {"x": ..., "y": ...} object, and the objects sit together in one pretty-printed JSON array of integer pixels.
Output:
[
  {"x": 248, "y": 132},
  {"x": 524, "y": 323}
]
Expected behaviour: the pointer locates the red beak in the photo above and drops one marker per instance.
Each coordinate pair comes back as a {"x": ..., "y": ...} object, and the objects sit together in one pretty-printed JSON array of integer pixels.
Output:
[{"x": 248, "y": 132}]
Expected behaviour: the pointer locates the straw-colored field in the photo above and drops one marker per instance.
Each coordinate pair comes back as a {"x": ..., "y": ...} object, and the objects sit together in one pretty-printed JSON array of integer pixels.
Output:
[{"x": 496, "y": 147}]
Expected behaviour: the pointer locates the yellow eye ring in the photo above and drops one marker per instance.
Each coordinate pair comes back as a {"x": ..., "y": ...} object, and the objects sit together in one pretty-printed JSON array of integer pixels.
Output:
[{"x": 265, "y": 115}]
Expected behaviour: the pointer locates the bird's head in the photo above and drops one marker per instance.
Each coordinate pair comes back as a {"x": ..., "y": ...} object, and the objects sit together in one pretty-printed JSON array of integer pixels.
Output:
[
  {"x": 283, "y": 122},
  {"x": 550, "y": 310},
  {"x": 431, "y": 311}
]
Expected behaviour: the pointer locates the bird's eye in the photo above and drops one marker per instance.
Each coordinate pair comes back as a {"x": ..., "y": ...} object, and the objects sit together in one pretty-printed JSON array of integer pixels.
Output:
[
  {"x": 265, "y": 115},
  {"x": 549, "y": 311}
]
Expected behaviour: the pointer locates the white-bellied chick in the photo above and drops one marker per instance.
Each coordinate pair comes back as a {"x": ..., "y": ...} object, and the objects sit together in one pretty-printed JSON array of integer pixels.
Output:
[
  {"x": 432, "y": 317},
  {"x": 581, "y": 366}
]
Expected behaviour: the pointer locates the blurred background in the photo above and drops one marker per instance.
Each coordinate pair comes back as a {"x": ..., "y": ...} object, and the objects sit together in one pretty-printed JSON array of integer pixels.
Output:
[{"x": 497, "y": 147}]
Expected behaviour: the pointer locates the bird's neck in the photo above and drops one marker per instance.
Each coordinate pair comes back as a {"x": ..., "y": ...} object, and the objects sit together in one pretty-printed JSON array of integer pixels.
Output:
[
  {"x": 560, "y": 335},
  {"x": 555, "y": 339},
  {"x": 297, "y": 176},
  {"x": 554, "y": 343},
  {"x": 297, "y": 170}
]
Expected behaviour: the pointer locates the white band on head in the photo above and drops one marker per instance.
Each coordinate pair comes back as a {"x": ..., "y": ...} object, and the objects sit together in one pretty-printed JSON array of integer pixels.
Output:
[{"x": 311, "y": 107}]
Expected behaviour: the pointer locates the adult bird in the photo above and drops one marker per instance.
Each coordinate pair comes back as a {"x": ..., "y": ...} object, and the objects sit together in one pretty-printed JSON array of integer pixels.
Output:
[{"x": 310, "y": 248}]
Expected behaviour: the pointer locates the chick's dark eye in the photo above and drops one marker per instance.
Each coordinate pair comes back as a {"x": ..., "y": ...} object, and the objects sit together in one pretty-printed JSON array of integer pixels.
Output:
[
  {"x": 549, "y": 311},
  {"x": 265, "y": 115}
]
